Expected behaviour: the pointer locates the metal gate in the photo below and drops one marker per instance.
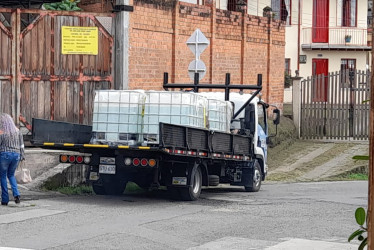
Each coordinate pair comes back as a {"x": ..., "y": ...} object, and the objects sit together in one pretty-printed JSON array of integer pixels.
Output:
[
  {"x": 336, "y": 106},
  {"x": 36, "y": 79}
]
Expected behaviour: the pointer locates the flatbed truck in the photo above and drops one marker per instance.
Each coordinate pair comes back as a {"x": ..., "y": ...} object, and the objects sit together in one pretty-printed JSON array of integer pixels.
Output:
[{"x": 185, "y": 159}]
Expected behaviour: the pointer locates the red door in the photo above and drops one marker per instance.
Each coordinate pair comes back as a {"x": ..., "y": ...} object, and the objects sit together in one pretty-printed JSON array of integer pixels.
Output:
[
  {"x": 320, "y": 79},
  {"x": 320, "y": 21}
]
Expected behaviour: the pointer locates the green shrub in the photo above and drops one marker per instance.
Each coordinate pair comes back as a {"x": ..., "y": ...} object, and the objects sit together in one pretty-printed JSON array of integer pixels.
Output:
[
  {"x": 361, "y": 219},
  {"x": 67, "y": 5}
]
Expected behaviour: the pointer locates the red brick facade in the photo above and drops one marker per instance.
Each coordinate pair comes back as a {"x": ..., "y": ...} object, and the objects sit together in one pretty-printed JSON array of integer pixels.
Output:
[{"x": 242, "y": 46}]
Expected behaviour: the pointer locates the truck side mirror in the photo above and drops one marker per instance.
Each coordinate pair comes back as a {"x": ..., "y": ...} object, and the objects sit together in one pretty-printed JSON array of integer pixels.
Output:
[{"x": 277, "y": 116}]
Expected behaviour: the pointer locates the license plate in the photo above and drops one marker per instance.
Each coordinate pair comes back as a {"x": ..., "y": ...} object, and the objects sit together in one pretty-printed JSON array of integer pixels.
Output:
[
  {"x": 107, "y": 169},
  {"x": 179, "y": 180}
]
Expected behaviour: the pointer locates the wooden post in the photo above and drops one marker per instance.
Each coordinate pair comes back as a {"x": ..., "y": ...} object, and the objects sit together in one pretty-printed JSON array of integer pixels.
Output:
[{"x": 370, "y": 213}]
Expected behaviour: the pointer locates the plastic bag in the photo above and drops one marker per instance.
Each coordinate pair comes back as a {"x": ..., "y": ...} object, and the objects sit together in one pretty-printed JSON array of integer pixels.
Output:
[{"x": 22, "y": 174}]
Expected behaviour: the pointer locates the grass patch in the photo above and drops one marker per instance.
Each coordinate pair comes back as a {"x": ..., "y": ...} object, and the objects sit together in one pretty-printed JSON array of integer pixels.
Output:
[
  {"x": 349, "y": 177},
  {"x": 363, "y": 177},
  {"x": 358, "y": 174},
  {"x": 132, "y": 187},
  {"x": 77, "y": 190}
]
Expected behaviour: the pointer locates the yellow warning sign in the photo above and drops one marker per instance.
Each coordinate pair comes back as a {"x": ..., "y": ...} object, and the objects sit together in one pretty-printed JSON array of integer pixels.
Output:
[{"x": 79, "y": 40}]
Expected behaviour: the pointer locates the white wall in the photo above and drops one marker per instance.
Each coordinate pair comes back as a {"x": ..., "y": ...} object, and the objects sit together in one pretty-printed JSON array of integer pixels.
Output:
[
  {"x": 334, "y": 21},
  {"x": 221, "y": 4},
  {"x": 334, "y": 58},
  {"x": 292, "y": 37},
  {"x": 189, "y": 1},
  {"x": 291, "y": 46},
  {"x": 335, "y": 13}
]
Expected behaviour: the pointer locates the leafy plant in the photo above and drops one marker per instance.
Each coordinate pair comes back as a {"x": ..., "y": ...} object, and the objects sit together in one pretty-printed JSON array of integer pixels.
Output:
[
  {"x": 287, "y": 80},
  {"x": 267, "y": 8},
  {"x": 67, "y": 5},
  {"x": 361, "y": 157},
  {"x": 361, "y": 219}
]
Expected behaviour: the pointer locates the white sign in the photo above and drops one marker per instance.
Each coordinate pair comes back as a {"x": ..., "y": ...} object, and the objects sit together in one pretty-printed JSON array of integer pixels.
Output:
[
  {"x": 197, "y": 44},
  {"x": 197, "y": 66}
]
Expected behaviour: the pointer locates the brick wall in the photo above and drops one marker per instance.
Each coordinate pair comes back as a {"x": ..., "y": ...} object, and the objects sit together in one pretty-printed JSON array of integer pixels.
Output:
[
  {"x": 243, "y": 46},
  {"x": 96, "y": 5}
]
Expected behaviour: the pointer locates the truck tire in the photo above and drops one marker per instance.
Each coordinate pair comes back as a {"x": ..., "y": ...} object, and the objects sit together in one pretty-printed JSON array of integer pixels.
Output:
[
  {"x": 113, "y": 185},
  {"x": 213, "y": 180},
  {"x": 193, "y": 191},
  {"x": 257, "y": 178}
]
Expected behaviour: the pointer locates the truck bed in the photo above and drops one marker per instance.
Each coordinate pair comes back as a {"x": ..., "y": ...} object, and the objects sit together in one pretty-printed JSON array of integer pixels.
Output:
[{"x": 174, "y": 139}]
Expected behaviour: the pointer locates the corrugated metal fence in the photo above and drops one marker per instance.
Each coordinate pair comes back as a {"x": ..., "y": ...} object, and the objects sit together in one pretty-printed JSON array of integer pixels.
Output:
[
  {"x": 36, "y": 80},
  {"x": 336, "y": 106}
]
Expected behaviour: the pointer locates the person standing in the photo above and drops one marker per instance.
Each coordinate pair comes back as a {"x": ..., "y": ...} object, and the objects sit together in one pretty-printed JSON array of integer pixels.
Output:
[{"x": 12, "y": 150}]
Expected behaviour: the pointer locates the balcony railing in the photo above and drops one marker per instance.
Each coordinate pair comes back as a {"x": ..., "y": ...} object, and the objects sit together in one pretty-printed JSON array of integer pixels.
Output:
[{"x": 335, "y": 36}]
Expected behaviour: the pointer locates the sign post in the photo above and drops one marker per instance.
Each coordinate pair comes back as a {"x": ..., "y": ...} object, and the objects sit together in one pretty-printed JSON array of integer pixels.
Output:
[{"x": 197, "y": 44}]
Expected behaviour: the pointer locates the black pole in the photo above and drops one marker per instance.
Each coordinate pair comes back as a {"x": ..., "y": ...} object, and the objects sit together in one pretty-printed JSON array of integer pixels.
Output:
[
  {"x": 351, "y": 107},
  {"x": 196, "y": 82},
  {"x": 246, "y": 103},
  {"x": 227, "y": 90},
  {"x": 166, "y": 79},
  {"x": 259, "y": 79}
]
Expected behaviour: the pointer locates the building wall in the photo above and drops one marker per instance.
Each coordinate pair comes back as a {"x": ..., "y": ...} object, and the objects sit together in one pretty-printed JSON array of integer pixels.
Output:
[
  {"x": 291, "y": 46},
  {"x": 334, "y": 60},
  {"x": 334, "y": 22},
  {"x": 254, "y": 7},
  {"x": 243, "y": 47},
  {"x": 96, "y": 5},
  {"x": 335, "y": 13}
]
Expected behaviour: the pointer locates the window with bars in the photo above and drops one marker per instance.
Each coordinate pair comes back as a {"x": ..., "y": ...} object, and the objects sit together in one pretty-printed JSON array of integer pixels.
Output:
[
  {"x": 287, "y": 66},
  {"x": 236, "y": 5},
  {"x": 282, "y": 10},
  {"x": 345, "y": 66},
  {"x": 287, "y": 73},
  {"x": 349, "y": 10}
]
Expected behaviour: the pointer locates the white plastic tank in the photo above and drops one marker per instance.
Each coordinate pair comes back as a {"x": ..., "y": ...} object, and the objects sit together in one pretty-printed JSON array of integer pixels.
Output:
[
  {"x": 180, "y": 108},
  {"x": 118, "y": 116},
  {"x": 220, "y": 111},
  {"x": 237, "y": 100}
]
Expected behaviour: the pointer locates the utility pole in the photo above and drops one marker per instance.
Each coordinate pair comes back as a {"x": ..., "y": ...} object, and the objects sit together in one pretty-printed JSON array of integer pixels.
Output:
[
  {"x": 370, "y": 210},
  {"x": 122, "y": 21}
]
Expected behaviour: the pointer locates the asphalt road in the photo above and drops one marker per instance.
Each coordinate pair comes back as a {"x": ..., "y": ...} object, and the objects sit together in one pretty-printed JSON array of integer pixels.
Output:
[{"x": 281, "y": 216}]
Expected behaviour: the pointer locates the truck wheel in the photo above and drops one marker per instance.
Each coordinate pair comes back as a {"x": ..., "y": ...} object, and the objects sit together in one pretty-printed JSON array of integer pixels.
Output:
[
  {"x": 257, "y": 177},
  {"x": 213, "y": 180},
  {"x": 113, "y": 185},
  {"x": 192, "y": 192},
  {"x": 98, "y": 189}
]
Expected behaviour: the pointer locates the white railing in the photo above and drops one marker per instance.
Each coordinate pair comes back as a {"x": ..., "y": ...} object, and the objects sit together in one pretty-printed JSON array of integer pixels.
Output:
[{"x": 336, "y": 36}]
